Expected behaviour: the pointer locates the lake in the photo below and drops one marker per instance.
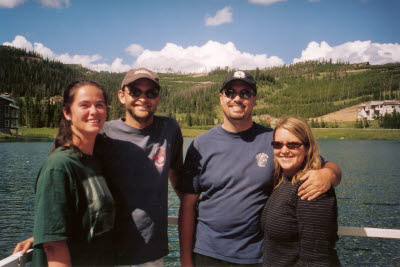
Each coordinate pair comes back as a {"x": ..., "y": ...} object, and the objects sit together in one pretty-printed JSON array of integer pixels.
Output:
[{"x": 368, "y": 196}]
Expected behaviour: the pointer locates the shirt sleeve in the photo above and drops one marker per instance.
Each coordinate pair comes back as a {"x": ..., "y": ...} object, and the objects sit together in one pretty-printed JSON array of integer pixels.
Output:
[
  {"x": 189, "y": 183},
  {"x": 52, "y": 207},
  {"x": 317, "y": 229},
  {"x": 177, "y": 151},
  {"x": 323, "y": 161}
]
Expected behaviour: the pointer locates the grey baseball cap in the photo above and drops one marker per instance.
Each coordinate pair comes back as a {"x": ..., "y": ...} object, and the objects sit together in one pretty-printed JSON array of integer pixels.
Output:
[{"x": 136, "y": 74}]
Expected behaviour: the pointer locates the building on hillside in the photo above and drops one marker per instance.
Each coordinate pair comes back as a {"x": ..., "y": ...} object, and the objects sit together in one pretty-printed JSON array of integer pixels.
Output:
[
  {"x": 31, "y": 59},
  {"x": 371, "y": 110},
  {"x": 8, "y": 115},
  {"x": 362, "y": 64},
  {"x": 56, "y": 99}
]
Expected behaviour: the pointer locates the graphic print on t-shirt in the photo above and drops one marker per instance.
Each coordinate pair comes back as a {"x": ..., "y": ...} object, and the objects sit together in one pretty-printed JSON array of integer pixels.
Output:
[
  {"x": 100, "y": 205},
  {"x": 262, "y": 159},
  {"x": 159, "y": 157}
]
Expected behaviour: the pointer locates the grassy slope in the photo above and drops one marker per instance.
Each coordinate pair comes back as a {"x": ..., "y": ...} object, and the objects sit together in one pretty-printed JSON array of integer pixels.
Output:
[
  {"x": 326, "y": 133},
  {"x": 352, "y": 133},
  {"x": 346, "y": 133}
]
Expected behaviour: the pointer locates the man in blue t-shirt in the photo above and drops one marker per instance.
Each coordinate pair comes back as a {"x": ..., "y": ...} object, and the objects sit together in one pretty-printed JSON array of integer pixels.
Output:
[{"x": 227, "y": 180}]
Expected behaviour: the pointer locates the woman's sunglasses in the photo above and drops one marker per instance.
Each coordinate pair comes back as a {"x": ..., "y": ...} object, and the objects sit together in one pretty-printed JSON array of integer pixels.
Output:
[
  {"x": 136, "y": 92},
  {"x": 245, "y": 94},
  {"x": 289, "y": 145}
]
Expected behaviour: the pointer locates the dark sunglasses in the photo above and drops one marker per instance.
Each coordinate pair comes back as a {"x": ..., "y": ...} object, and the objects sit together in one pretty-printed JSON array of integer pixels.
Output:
[
  {"x": 289, "y": 145},
  {"x": 245, "y": 94},
  {"x": 136, "y": 92}
]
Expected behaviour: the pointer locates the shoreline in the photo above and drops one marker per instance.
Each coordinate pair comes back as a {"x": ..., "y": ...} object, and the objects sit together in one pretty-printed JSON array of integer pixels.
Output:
[{"x": 320, "y": 133}]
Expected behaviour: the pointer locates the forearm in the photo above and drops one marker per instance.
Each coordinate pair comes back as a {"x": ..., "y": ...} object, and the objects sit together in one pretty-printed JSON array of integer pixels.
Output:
[
  {"x": 336, "y": 175},
  {"x": 186, "y": 226},
  {"x": 57, "y": 254}
]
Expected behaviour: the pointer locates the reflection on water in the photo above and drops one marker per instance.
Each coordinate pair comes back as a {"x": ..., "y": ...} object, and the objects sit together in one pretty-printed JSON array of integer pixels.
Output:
[
  {"x": 19, "y": 165},
  {"x": 367, "y": 196},
  {"x": 30, "y": 139}
]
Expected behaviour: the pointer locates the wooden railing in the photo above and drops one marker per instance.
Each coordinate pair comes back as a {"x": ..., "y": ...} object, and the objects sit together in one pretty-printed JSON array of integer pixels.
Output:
[{"x": 17, "y": 259}]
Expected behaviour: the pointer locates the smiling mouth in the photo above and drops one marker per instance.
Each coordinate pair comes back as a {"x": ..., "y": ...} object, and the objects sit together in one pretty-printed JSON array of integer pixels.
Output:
[
  {"x": 94, "y": 121},
  {"x": 237, "y": 107},
  {"x": 286, "y": 158},
  {"x": 143, "y": 106}
]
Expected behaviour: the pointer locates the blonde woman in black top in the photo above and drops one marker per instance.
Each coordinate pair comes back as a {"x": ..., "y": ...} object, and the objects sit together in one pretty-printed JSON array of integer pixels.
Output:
[{"x": 298, "y": 232}]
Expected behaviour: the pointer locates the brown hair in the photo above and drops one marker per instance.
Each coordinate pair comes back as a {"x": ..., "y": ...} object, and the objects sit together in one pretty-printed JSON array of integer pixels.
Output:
[
  {"x": 302, "y": 131},
  {"x": 64, "y": 135}
]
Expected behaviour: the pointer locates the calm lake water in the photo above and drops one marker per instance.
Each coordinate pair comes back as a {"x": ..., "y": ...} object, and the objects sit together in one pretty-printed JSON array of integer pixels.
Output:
[{"x": 368, "y": 196}]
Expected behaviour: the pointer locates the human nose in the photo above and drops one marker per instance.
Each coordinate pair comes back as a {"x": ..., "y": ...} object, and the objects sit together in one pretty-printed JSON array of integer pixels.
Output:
[
  {"x": 284, "y": 149},
  {"x": 93, "y": 109},
  {"x": 142, "y": 96},
  {"x": 237, "y": 98}
]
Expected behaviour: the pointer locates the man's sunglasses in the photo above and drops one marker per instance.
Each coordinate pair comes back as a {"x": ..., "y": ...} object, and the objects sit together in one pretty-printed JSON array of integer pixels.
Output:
[
  {"x": 245, "y": 94},
  {"x": 289, "y": 145},
  {"x": 136, "y": 92}
]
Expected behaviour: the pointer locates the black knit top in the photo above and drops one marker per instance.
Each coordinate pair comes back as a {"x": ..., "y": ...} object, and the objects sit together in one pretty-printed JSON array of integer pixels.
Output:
[{"x": 299, "y": 232}]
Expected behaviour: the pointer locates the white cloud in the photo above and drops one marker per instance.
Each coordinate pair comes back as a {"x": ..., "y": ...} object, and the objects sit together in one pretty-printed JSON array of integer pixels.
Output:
[
  {"x": 10, "y": 3},
  {"x": 87, "y": 61},
  {"x": 116, "y": 66},
  {"x": 203, "y": 58},
  {"x": 55, "y": 3},
  {"x": 20, "y": 42},
  {"x": 49, "y": 3},
  {"x": 194, "y": 59},
  {"x": 134, "y": 50},
  {"x": 266, "y": 2},
  {"x": 170, "y": 58},
  {"x": 221, "y": 17},
  {"x": 353, "y": 52},
  {"x": 44, "y": 51}
]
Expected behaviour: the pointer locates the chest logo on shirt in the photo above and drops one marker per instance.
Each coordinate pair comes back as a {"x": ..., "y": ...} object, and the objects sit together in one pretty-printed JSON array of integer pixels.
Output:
[
  {"x": 159, "y": 157},
  {"x": 262, "y": 159}
]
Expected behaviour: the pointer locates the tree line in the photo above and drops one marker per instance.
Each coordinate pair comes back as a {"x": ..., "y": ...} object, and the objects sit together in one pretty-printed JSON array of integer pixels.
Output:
[{"x": 308, "y": 89}]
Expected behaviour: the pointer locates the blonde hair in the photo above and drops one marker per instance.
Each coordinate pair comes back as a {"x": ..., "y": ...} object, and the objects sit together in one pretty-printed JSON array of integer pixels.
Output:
[{"x": 312, "y": 160}]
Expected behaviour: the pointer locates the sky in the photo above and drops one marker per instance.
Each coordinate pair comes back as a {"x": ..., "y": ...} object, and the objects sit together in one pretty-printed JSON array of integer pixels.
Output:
[{"x": 194, "y": 36}]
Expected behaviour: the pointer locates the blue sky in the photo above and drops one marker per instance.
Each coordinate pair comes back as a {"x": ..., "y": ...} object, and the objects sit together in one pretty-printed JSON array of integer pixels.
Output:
[{"x": 197, "y": 36}]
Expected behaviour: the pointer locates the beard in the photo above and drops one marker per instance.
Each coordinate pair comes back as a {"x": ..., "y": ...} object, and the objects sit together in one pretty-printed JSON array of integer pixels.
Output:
[
  {"x": 237, "y": 117},
  {"x": 142, "y": 119}
]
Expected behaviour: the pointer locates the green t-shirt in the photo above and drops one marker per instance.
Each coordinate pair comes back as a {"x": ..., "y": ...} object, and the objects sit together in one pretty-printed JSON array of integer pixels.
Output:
[{"x": 73, "y": 203}]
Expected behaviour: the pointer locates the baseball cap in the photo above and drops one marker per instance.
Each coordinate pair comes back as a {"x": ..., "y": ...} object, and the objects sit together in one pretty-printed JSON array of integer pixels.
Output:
[
  {"x": 242, "y": 76},
  {"x": 136, "y": 74}
]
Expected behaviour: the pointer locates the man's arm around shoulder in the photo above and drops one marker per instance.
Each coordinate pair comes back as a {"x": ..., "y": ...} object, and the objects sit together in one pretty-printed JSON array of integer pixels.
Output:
[{"x": 319, "y": 181}]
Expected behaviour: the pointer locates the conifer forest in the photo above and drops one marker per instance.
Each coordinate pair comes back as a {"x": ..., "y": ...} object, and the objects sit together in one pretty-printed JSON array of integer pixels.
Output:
[{"x": 308, "y": 89}]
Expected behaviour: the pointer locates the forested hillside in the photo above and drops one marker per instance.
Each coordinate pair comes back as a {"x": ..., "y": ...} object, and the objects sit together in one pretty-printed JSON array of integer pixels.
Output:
[{"x": 307, "y": 89}]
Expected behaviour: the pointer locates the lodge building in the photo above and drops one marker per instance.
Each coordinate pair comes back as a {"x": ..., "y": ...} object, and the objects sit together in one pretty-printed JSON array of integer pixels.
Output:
[
  {"x": 371, "y": 110},
  {"x": 8, "y": 115}
]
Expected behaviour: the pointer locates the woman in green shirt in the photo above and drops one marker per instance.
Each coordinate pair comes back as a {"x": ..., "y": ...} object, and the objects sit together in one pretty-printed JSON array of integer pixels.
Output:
[{"x": 74, "y": 209}]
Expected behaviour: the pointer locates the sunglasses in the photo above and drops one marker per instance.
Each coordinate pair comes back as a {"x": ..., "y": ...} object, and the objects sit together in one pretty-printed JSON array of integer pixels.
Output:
[
  {"x": 244, "y": 94},
  {"x": 136, "y": 92},
  {"x": 289, "y": 145}
]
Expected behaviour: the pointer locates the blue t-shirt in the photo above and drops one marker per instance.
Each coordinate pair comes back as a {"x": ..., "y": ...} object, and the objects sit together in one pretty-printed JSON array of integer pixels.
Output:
[
  {"x": 233, "y": 173},
  {"x": 136, "y": 164}
]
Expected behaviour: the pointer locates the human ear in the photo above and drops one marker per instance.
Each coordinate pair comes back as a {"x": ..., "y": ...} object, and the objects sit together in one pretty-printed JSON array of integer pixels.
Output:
[
  {"x": 121, "y": 96},
  {"x": 67, "y": 116}
]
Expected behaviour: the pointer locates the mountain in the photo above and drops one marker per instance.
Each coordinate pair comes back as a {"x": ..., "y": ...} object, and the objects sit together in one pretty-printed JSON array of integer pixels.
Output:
[{"x": 307, "y": 89}]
